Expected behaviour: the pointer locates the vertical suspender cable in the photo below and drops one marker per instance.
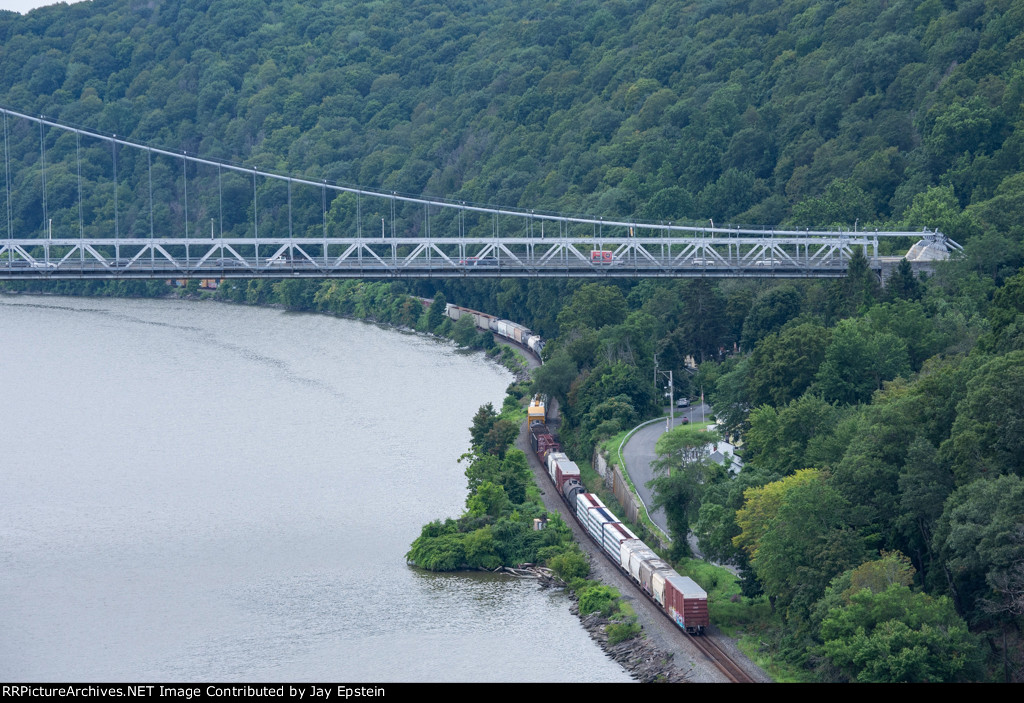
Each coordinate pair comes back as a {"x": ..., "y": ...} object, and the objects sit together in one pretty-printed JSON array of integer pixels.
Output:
[
  {"x": 81, "y": 218},
  {"x": 7, "y": 187},
  {"x": 184, "y": 178},
  {"x": 152, "y": 251},
  {"x": 220, "y": 203},
  {"x": 113, "y": 149},
  {"x": 42, "y": 174},
  {"x": 255, "y": 220}
]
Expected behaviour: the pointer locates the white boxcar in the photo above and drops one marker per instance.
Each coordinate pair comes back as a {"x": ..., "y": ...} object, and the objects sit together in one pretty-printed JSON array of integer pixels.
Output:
[
  {"x": 585, "y": 502},
  {"x": 612, "y": 537},
  {"x": 634, "y": 551},
  {"x": 648, "y": 569},
  {"x": 552, "y": 458},
  {"x": 596, "y": 520}
]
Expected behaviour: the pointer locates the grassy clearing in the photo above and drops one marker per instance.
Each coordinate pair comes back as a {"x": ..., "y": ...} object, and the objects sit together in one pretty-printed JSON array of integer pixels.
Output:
[
  {"x": 759, "y": 651},
  {"x": 749, "y": 619},
  {"x": 729, "y": 610}
]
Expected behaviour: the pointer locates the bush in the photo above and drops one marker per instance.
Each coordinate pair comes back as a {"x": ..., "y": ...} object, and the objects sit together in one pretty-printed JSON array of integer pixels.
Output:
[
  {"x": 598, "y": 598},
  {"x": 570, "y": 563},
  {"x": 444, "y": 553},
  {"x": 620, "y": 632}
]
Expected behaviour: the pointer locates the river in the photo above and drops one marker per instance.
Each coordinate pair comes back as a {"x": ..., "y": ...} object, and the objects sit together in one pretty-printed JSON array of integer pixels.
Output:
[{"x": 197, "y": 491}]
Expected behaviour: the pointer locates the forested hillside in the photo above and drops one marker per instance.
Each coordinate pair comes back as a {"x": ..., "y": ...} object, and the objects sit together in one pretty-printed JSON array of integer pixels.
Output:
[
  {"x": 815, "y": 112},
  {"x": 881, "y": 508}
]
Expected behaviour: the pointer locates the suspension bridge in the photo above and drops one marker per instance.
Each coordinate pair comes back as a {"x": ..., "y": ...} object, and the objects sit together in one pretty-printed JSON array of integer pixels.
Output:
[{"x": 80, "y": 204}]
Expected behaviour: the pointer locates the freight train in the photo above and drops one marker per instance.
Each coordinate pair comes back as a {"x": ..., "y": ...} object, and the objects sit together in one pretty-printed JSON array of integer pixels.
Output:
[
  {"x": 678, "y": 596},
  {"x": 509, "y": 330}
]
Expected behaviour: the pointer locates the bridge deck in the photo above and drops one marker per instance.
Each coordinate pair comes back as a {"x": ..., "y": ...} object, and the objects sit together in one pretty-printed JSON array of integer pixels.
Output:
[{"x": 817, "y": 256}]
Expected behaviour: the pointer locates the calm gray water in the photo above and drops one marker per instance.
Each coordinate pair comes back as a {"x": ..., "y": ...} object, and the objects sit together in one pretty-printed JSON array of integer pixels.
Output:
[{"x": 196, "y": 491}]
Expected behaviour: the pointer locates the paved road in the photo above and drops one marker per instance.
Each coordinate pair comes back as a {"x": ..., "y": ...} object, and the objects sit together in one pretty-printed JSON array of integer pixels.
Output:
[{"x": 638, "y": 453}]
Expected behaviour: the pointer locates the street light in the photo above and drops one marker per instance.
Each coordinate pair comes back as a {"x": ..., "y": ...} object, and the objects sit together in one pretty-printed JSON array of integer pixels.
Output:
[{"x": 671, "y": 400}]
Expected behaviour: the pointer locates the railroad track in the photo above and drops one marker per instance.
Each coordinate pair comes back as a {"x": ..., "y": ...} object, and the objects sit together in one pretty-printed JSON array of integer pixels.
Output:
[
  {"x": 704, "y": 643},
  {"x": 733, "y": 671}
]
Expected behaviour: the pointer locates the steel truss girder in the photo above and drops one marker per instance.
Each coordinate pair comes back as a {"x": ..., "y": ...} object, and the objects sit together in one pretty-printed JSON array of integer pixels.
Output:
[{"x": 419, "y": 257}]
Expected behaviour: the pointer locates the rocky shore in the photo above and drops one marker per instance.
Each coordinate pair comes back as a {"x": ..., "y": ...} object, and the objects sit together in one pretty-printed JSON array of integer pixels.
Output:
[{"x": 638, "y": 656}]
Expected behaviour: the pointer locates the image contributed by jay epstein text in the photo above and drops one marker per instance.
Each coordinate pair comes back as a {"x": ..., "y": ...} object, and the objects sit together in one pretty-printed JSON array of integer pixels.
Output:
[{"x": 292, "y": 691}]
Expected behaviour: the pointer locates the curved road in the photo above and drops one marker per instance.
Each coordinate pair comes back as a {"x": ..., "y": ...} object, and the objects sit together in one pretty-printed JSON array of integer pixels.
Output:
[{"x": 638, "y": 453}]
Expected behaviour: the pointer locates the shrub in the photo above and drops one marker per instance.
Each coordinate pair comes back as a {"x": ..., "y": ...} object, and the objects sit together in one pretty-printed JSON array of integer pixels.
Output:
[
  {"x": 598, "y": 598},
  {"x": 570, "y": 563},
  {"x": 620, "y": 632}
]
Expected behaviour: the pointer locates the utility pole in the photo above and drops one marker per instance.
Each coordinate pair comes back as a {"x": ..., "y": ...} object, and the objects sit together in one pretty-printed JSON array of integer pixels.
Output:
[{"x": 671, "y": 399}]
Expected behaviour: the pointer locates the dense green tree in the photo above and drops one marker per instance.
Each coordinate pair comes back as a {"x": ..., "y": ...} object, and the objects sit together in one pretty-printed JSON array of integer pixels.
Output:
[
  {"x": 843, "y": 203},
  {"x": 677, "y": 495},
  {"x": 436, "y": 313},
  {"x": 924, "y": 485},
  {"x": 785, "y": 440},
  {"x": 857, "y": 291},
  {"x": 703, "y": 324},
  {"x": 483, "y": 421},
  {"x": 903, "y": 285},
  {"x": 897, "y": 635},
  {"x": 937, "y": 208},
  {"x": 499, "y": 437},
  {"x": 910, "y": 322},
  {"x": 729, "y": 397},
  {"x": 858, "y": 361},
  {"x": 716, "y": 522},
  {"x": 593, "y": 305},
  {"x": 784, "y": 364},
  {"x": 682, "y": 471},
  {"x": 770, "y": 311},
  {"x": 987, "y": 438},
  {"x": 555, "y": 376},
  {"x": 609, "y": 417},
  {"x": 1007, "y": 317},
  {"x": 464, "y": 331},
  {"x": 618, "y": 379},
  {"x": 980, "y": 536},
  {"x": 490, "y": 500},
  {"x": 797, "y": 537}
]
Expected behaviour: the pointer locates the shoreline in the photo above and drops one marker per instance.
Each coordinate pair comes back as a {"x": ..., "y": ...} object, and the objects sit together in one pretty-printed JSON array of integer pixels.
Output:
[{"x": 637, "y": 656}]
